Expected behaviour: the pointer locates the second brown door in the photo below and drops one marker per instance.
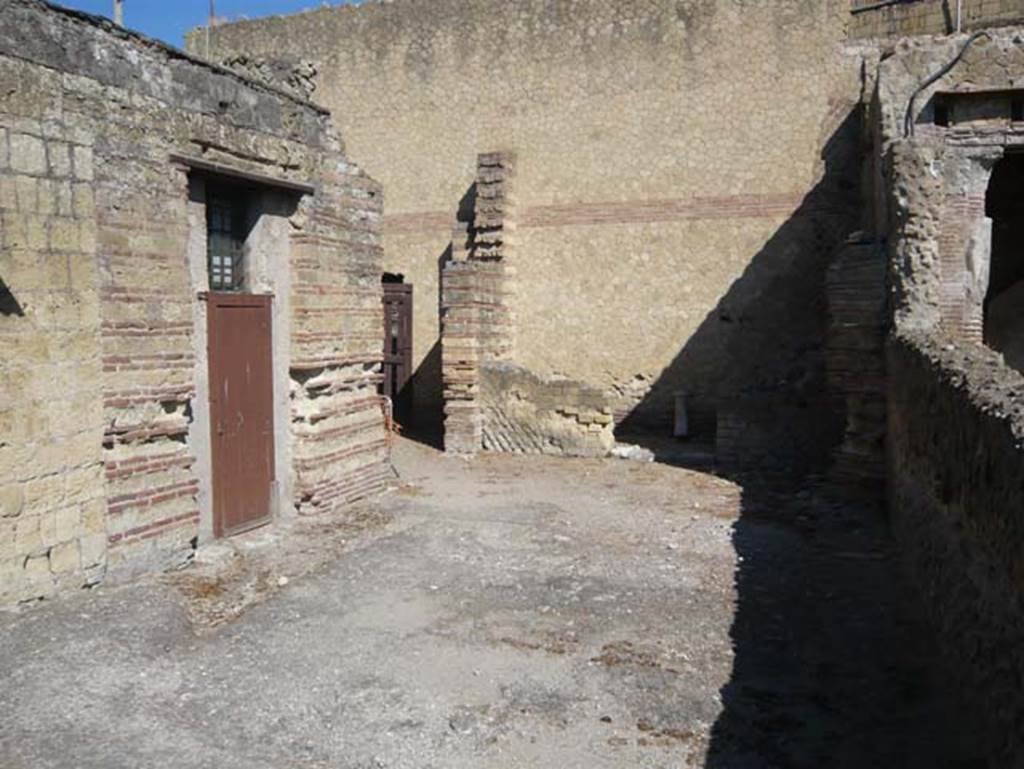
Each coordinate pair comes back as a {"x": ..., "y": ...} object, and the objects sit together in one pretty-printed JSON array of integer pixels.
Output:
[{"x": 397, "y": 383}]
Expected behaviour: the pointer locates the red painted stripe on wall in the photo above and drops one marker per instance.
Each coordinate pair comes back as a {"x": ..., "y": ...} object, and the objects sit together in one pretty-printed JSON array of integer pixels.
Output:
[{"x": 624, "y": 212}]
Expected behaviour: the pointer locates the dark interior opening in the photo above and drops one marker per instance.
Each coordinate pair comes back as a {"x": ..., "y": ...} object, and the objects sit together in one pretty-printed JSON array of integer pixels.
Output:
[
  {"x": 8, "y": 304},
  {"x": 1004, "y": 301},
  {"x": 396, "y": 372}
]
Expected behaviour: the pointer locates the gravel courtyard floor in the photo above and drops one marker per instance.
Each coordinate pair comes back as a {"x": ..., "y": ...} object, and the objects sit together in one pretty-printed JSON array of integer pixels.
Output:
[{"x": 501, "y": 612}]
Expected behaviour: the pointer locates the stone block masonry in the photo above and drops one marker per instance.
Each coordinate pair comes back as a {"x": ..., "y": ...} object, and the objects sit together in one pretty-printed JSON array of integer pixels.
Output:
[
  {"x": 524, "y": 414},
  {"x": 52, "y": 483},
  {"x": 104, "y": 465}
]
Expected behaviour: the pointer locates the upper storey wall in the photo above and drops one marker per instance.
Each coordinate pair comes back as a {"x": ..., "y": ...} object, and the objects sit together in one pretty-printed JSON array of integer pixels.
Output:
[{"x": 587, "y": 88}]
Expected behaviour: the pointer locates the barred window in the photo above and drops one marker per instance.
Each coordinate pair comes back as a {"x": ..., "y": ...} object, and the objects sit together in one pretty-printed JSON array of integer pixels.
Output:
[{"x": 225, "y": 240}]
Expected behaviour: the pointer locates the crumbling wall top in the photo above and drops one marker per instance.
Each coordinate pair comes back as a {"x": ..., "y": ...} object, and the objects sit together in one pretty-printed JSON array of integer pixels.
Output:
[
  {"x": 143, "y": 42},
  {"x": 991, "y": 60}
]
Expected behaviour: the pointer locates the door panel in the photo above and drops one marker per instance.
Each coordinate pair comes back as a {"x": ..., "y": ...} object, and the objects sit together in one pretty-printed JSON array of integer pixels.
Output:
[
  {"x": 241, "y": 411},
  {"x": 398, "y": 346}
]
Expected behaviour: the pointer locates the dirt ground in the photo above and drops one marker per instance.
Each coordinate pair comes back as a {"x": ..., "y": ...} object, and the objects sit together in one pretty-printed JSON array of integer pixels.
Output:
[{"x": 501, "y": 612}]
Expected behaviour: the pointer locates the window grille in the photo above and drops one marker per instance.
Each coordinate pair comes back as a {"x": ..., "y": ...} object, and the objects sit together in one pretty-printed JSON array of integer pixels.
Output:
[{"x": 225, "y": 241}]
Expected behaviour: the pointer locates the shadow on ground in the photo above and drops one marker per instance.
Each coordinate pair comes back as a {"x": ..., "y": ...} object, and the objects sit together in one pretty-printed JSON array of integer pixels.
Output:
[{"x": 835, "y": 664}]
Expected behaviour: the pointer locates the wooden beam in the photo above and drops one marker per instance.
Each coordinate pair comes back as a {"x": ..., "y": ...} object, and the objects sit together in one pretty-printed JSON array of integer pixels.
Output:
[{"x": 223, "y": 170}]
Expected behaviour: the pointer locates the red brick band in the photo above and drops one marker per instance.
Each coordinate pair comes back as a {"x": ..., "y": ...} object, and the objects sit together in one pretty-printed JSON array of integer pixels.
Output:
[{"x": 625, "y": 212}]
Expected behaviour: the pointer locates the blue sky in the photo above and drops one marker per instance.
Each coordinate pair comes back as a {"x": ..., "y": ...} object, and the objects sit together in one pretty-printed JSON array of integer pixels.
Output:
[{"x": 169, "y": 20}]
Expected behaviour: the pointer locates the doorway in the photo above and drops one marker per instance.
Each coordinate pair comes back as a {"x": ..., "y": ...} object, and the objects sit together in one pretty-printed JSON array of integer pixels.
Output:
[
  {"x": 1004, "y": 300},
  {"x": 239, "y": 338},
  {"x": 397, "y": 370}
]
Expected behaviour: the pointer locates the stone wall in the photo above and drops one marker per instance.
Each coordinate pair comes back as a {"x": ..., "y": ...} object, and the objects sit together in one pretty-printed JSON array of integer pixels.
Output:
[
  {"x": 684, "y": 172},
  {"x": 101, "y": 455},
  {"x": 524, "y": 414},
  {"x": 955, "y": 412},
  {"x": 930, "y": 17},
  {"x": 956, "y": 460},
  {"x": 52, "y": 488}
]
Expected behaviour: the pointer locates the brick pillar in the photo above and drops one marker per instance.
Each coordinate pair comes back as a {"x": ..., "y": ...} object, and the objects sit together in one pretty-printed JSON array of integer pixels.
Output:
[
  {"x": 476, "y": 321},
  {"x": 460, "y": 349}
]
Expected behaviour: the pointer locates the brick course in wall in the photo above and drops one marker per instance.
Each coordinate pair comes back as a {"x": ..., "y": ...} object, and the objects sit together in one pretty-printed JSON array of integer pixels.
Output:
[{"x": 619, "y": 212}]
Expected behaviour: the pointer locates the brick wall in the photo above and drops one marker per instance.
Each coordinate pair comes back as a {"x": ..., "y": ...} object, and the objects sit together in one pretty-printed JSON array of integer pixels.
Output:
[
  {"x": 464, "y": 283},
  {"x": 340, "y": 450},
  {"x": 476, "y": 282},
  {"x": 929, "y": 17},
  {"x": 855, "y": 357},
  {"x": 99, "y": 467}
]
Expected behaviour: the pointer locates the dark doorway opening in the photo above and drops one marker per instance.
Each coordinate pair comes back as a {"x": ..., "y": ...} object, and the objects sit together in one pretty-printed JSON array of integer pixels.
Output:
[
  {"x": 9, "y": 305},
  {"x": 1004, "y": 301},
  {"x": 397, "y": 370}
]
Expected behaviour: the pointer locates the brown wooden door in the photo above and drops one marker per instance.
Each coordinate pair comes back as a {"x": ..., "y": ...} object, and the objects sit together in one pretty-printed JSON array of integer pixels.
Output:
[
  {"x": 398, "y": 346},
  {"x": 241, "y": 411}
]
